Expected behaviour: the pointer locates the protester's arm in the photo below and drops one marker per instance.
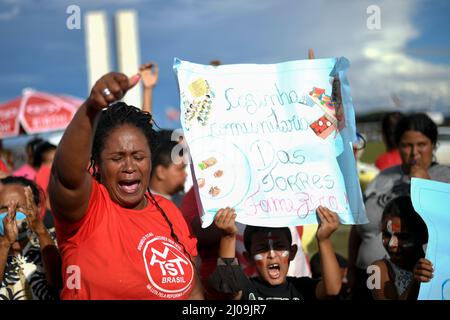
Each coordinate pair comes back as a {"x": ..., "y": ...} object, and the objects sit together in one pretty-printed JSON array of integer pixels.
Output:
[
  {"x": 51, "y": 258},
  {"x": 70, "y": 182},
  {"x": 331, "y": 281},
  {"x": 9, "y": 237},
  {"x": 225, "y": 222},
  {"x": 354, "y": 243},
  {"x": 149, "y": 73},
  {"x": 423, "y": 272}
]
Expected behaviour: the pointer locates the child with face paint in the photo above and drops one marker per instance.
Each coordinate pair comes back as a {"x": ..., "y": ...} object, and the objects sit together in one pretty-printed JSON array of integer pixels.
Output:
[
  {"x": 270, "y": 250},
  {"x": 404, "y": 235},
  {"x": 30, "y": 264}
]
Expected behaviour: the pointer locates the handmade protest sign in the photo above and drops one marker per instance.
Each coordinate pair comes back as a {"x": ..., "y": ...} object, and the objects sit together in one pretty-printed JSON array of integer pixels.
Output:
[
  {"x": 273, "y": 141},
  {"x": 430, "y": 199}
]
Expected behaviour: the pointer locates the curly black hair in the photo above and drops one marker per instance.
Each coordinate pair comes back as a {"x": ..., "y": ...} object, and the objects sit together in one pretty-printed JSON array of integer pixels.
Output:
[{"x": 116, "y": 115}]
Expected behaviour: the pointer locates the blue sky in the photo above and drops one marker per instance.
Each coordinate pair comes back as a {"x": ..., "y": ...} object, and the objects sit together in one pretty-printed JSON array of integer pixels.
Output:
[{"x": 409, "y": 56}]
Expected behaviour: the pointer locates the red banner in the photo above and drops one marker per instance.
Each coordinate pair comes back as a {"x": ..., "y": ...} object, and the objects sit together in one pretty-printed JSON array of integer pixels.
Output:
[
  {"x": 37, "y": 112},
  {"x": 9, "y": 118}
]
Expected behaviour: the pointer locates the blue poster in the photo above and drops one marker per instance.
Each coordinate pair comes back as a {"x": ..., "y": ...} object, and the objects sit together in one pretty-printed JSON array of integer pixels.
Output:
[
  {"x": 272, "y": 141},
  {"x": 431, "y": 200}
]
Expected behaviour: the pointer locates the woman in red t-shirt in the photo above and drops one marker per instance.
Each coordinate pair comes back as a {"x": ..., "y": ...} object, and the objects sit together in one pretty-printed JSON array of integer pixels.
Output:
[{"x": 117, "y": 240}]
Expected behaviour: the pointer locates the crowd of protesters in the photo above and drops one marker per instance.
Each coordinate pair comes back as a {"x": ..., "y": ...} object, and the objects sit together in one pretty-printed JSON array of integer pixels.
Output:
[{"x": 104, "y": 212}]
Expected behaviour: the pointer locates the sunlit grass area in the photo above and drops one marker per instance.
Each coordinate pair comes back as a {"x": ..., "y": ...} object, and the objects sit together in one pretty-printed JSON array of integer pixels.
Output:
[{"x": 372, "y": 151}]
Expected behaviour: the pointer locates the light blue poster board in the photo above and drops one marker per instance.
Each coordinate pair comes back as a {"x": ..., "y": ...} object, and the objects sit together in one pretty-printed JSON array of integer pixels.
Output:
[
  {"x": 431, "y": 200},
  {"x": 272, "y": 141}
]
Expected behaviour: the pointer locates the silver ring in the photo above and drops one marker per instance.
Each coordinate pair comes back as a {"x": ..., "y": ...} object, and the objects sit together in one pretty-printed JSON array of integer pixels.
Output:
[{"x": 106, "y": 92}]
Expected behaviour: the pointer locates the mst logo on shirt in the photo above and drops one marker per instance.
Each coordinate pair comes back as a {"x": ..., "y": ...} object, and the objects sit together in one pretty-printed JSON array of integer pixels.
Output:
[{"x": 168, "y": 269}]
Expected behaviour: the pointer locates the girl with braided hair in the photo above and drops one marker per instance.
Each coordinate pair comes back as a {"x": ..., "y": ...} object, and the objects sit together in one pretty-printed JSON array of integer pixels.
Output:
[{"x": 117, "y": 240}]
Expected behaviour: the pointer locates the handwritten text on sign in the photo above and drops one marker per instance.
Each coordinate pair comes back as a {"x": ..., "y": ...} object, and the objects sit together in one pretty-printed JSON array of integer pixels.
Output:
[{"x": 272, "y": 141}]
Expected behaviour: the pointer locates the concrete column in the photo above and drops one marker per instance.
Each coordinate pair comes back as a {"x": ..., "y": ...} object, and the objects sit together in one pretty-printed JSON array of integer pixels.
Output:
[
  {"x": 97, "y": 49},
  {"x": 128, "y": 57}
]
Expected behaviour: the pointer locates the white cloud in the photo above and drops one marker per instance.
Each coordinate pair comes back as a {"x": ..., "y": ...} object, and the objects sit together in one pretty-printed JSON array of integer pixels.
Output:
[
  {"x": 380, "y": 62},
  {"x": 389, "y": 69}
]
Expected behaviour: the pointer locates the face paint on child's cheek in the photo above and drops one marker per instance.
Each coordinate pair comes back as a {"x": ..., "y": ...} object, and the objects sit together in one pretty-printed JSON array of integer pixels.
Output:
[
  {"x": 258, "y": 257},
  {"x": 284, "y": 257},
  {"x": 391, "y": 229}
]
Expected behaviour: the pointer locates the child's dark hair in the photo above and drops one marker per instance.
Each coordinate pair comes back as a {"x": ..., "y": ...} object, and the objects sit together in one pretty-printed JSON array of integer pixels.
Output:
[
  {"x": 39, "y": 151},
  {"x": 32, "y": 144},
  {"x": 163, "y": 150},
  {"x": 116, "y": 115},
  {"x": 316, "y": 269},
  {"x": 26, "y": 183},
  {"x": 417, "y": 122},
  {"x": 388, "y": 125},
  {"x": 251, "y": 230},
  {"x": 402, "y": 208}
]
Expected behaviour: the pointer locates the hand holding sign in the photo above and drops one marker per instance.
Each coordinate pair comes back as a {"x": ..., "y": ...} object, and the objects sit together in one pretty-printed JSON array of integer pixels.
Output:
[
  {"x": 225, "y": 222},
  {"x": 329, "y": 222},
  {"x": 423, "y": 270}
]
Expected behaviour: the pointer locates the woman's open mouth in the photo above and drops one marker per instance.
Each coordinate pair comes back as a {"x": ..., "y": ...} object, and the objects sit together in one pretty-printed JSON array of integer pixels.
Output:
[{"x": 129, "y": 186}]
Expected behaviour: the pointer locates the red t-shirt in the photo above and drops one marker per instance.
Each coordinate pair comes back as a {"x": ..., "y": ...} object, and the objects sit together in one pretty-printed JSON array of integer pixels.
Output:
[
  {"x": 189, "y": 208},
  {"x": 119, "y": 253},
  {"x": 3, "y": 167},
  {"x": 388, "y": 159},
  {"x": 26, "y": 171},
  {"x": 42, "y": 177}
]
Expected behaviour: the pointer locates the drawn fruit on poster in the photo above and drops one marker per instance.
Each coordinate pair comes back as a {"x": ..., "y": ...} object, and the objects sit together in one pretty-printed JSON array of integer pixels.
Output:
[
  {"x": 221, "y": 169},
  {"x": 198, "y": 107}
]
